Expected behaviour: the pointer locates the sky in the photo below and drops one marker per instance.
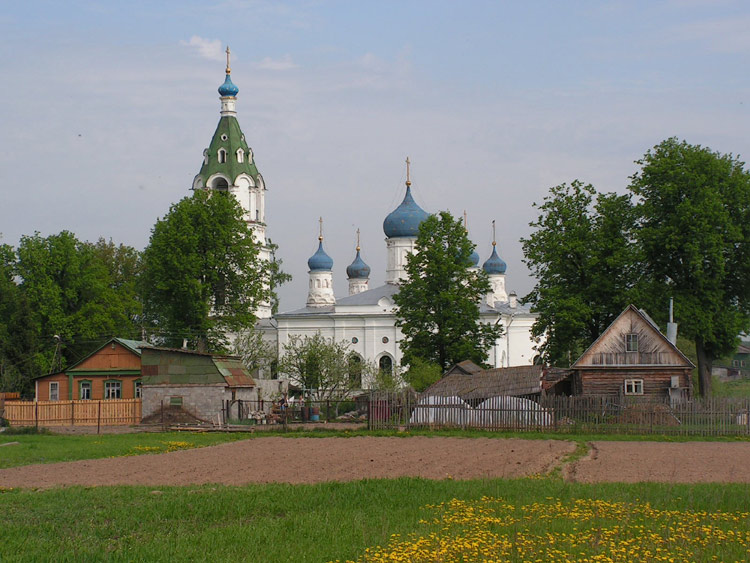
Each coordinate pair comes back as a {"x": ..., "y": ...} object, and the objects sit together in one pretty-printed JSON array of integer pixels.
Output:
[{"x": 106, "y": 108}]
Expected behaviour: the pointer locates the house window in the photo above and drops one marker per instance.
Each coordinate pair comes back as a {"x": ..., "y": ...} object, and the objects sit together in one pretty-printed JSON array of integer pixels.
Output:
[
  {"x": 137, "y": 388},
  {"x": 112, "y": 390},
  {"x": 742, "y": 363},
  {"x": 54, "y": 391},
  {"x": 634, "y": 387},
  {"x": 84, "y": 390},
  {"x": 631, "y": 342},
  {"x": 735, "y": 363}
]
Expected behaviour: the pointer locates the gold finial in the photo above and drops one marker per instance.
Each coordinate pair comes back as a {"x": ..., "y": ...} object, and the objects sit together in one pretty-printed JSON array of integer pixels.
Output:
[
  {"x": 494, "y": 241},
  {"x": 320, "y": 236},
  {"x": 408, "y": 164},
  {"x": 229, "y": 70},
  {"x": 466, "y": 223},
  {"x": 357, "y": 240}
]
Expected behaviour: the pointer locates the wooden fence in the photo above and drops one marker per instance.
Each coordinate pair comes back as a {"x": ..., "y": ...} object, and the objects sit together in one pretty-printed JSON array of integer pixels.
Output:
[
  {"x": 110, "y": 412},
  {"x": 598, "y": 415}
]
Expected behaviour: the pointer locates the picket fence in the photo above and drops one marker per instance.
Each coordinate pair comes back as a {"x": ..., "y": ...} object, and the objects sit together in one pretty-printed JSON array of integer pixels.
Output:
[
  {"x": 109, "y": 412},
  {"x": 600, "y": 414}
]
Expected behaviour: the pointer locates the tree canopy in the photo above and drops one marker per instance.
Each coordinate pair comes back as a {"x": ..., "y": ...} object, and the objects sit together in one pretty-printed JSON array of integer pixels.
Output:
[
  {"x": 585, "y": 265},
  {"x": 202, "y": 274},
  {"x": 438, "y": 305},
  {"x": 694, "y": 231},
  {"x": 318, "y": 365},
  {"x": 59, "y": 299}
]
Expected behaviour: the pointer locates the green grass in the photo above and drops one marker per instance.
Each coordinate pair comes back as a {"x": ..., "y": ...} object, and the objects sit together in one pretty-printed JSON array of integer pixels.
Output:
[
  {"x": 737, "y": 389},
  {"x": 51, "y": 448},
  {"x": 270, "y": 523}
]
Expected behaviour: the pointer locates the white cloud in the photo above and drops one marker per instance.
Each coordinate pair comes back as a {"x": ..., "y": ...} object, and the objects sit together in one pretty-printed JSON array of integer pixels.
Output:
[
  {"x": 206, "y": 48},
  {"x": 284, "y": 63}
]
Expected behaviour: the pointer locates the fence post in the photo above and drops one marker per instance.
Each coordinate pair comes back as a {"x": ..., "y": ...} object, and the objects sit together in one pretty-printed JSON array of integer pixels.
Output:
[
  {"x": 99, "y": 418},
  {"x": 328, "y": 410},
  {"x": 36, "y": 414},
  {"x": 72, "y": 413}
]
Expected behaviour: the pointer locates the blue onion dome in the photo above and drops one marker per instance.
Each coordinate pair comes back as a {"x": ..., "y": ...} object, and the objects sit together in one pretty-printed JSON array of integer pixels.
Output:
[
  {"x": 320, "y": 261},
  {"x": 228, "y": 88},
  {"x": 404, "y": 221},
  {"x": 474, "y": 257},
  {"x": 358, "y": 270},
  {"x": 494, "y": 264}
]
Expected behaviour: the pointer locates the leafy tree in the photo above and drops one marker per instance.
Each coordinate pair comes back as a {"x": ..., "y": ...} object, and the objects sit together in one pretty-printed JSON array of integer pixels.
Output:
[
  {"x": 317, "y": 364},
  {"x": 72, "y": 296},
  {"x": 202, "y": 275},
  {"x": 276, "y": 276},
  {"x": 438, "y": 305},
  {"x": 694, "y": 212},
  {"x": 422, "y": 374},
  {"x": 256, "y": 352},
  {"x": 585, "y": 264}
]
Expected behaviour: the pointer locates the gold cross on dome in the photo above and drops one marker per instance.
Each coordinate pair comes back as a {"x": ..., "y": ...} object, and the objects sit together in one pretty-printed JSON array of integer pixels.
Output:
[
  {"x": 320, "y": 236},
  {"x": 408, "y": 165},
  {"x": 357, "y": 240},
  {"x": 229, "y": 70},
  {"x": 494, "y": 238}
]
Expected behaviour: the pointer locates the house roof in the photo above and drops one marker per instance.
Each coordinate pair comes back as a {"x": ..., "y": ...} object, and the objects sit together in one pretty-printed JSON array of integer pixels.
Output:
[
  {"x": 467, "y": 367},
  {"x": 193, "y": 368},
  {"x": 632, "y": 309},
  {"x": 743, "y": 348},
  {"x": 512, "y": 381}
]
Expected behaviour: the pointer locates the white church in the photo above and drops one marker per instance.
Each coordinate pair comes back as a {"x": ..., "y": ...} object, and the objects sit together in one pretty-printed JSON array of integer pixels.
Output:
[{"x": 365, "y": 318}]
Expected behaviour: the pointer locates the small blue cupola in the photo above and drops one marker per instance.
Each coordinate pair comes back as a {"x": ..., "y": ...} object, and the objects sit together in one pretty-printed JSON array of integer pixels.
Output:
[
  {"x": 474, "y": 258},
  {"x": 494, "y": 264},
  {"x": 358, "y": 270},
  {"x": 228, "y": 88},
  {"x": 320, "y": 261}
]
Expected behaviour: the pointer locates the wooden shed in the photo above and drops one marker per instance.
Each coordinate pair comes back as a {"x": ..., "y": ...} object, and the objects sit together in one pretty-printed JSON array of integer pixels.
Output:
[{"x": 632, "y": 357}]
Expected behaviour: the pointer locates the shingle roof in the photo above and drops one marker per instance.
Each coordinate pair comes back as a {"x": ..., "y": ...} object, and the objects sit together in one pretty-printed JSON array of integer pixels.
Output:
[{"x": 513, "y": 381}]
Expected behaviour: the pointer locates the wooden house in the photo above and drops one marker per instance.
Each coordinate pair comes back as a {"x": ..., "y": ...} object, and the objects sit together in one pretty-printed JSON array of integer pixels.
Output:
[
  {"x": 112, "y": 371},
  {"x": 633, "y": 358}
]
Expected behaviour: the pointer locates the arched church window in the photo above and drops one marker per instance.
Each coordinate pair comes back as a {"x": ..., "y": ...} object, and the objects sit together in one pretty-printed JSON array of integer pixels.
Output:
[
  {"x": 317, "y": 284},
  {"x": 240, "y": 155},
  {"x": 222, "y": 156},
  {"x": 386, "y": 365},
  {"x": 205, "y": 156},
  {"x": 355, "y": 371},
  {"x": 257, "y": 214}
]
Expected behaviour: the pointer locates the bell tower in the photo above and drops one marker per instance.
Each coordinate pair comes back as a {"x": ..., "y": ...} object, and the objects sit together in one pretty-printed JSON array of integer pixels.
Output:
[{"x": 229, "y": 166}]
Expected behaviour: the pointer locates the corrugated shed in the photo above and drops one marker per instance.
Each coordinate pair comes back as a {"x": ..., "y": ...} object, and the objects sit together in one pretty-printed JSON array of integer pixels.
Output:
[{"x": 234, "y": 371}]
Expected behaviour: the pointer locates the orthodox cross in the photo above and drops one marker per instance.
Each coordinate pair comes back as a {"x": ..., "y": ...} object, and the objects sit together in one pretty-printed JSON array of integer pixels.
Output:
[
  {"x": 229, "y": 70},
  {"x": 408, "y": 164},
  {"x": 357, "y": 240},
  {"x": 320, "y": 236},
  {"x": 494, "y": 240}
]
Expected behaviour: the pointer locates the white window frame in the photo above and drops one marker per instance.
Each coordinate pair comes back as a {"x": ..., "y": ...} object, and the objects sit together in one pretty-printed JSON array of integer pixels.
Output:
[
  {"x": 633, "y": 386},
  {"x": 631, "y": 338},
  {"x": 54, "y": 390},
  {"x": 89, "y": 387},
  {"x": 113, "y": 389},
  {"x": 222, "y": 156},
  {"x": 138, "y": 389}
]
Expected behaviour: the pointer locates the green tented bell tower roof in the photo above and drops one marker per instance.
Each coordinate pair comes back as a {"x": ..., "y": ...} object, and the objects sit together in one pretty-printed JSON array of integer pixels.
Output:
[{"x": 228, "y": 136}]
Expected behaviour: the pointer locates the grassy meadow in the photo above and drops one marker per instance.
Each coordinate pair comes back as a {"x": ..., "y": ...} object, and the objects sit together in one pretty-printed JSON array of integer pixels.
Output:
[{"x": 534, "y": 519}]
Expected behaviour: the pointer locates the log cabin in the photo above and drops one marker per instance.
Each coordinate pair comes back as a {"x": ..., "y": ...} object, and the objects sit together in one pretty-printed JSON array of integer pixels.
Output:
[{"x": 633, "y": 358}]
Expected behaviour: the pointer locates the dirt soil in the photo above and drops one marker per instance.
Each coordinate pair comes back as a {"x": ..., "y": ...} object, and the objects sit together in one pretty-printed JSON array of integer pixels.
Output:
[
  {"x": 681, "y": 462},
  {"x": 312, "y": 460},
  {"x": 305, "y": 460}
]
